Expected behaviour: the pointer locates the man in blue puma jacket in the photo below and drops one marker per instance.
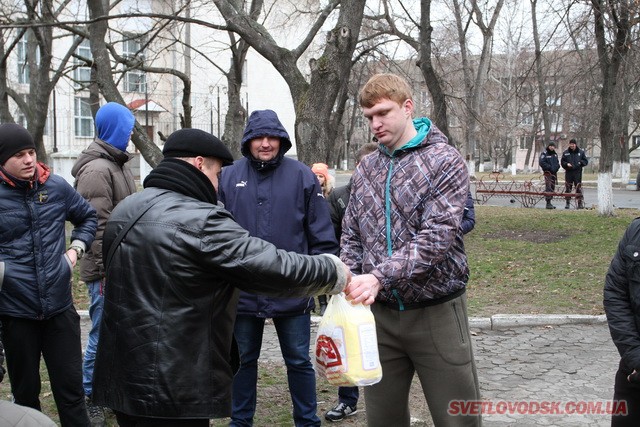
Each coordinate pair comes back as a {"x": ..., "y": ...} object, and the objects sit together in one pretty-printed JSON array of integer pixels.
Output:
[{"x": 279, "y": 200}]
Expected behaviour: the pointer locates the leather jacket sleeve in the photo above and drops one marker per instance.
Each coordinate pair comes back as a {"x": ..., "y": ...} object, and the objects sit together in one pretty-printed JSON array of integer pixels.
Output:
[{"x": 255, "y": 265}]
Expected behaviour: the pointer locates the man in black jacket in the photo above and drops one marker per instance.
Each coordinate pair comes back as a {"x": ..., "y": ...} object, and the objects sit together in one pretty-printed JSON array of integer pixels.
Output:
[
  {"x": 38, "y": 318},
  {"x": 573, "y": 160},
  {"x": 174, "y": 261},
  {"x": 550, "y": 165},
  {"x": 621, "y": 296}
]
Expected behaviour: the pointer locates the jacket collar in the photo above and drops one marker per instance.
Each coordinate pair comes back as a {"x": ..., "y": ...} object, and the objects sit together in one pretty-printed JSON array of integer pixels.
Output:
[{"x": 40, "y": 177}]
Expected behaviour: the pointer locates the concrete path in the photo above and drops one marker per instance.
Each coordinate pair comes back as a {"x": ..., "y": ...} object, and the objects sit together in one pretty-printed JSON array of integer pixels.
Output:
[{"x": 558, "y": 362}]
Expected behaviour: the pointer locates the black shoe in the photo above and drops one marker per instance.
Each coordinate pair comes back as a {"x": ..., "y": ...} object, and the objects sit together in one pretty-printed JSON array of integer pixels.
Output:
[
  {"x": 340, "y": 412},
  {"x": 96, "y": 414},
  {"x": 550, "y": 206},
  {"x": 568, "y": 206},
  {"x": 323, "y": 308}
]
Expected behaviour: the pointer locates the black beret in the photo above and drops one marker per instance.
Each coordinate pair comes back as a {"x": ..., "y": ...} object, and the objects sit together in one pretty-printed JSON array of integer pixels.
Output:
[
  {"x": 196, "y": 142},
  {"x": 551, "y": 143},
  {"x": 13, "y": 138}
]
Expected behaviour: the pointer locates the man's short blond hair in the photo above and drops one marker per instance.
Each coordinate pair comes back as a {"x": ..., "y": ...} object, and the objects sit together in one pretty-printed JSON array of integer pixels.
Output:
[{"x": 385, "y": 86}]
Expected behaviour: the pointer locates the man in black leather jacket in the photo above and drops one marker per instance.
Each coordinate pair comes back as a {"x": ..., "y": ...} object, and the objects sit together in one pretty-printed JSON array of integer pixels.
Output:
[
  {"x": 621, "y": 304},
  {"x": 165, "y": 349}
]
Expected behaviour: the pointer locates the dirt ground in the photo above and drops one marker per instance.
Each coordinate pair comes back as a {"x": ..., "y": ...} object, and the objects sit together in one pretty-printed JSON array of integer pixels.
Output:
[{"x": 269, "y": 396}]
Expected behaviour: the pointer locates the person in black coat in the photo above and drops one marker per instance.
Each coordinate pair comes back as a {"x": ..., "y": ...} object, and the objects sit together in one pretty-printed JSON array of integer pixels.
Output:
[
  {"x": 622, "y": 306},
  {"x": 573, "y": 160},
  {"x": 39, "y": 320},
  {"x": 174, "y": 261},
  {"x": 550, "y": 165}
]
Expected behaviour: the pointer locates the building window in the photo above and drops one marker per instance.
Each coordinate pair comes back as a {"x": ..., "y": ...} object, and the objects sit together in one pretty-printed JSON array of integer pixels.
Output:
[
  {"x": 555, "y": 120},
  {"x": 23, "y": 64},
  {"x": 82, "y": 117},
  {"x": 134, "y": 80},
  {"x": 524, "y": 141},
  {"x": 82, "y": 73},
  {"x": 526, "y": 118}
]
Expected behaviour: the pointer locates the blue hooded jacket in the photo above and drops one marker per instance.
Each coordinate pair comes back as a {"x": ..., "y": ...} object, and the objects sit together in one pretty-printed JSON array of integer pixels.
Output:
[
  {"x": 114, "y": 123},
  {"x": 279, "y": 201}
]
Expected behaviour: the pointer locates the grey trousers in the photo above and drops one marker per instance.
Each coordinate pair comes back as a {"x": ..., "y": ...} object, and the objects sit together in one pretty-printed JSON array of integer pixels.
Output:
[{"x": 433, "y": 342}]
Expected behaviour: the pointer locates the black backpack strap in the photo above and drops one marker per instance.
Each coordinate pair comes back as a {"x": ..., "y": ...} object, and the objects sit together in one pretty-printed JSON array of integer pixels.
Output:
[{"x": 131, "y": 223}]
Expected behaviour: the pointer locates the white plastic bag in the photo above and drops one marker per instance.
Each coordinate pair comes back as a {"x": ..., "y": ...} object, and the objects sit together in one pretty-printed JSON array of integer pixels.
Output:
[{"x": 346, "y": 346}]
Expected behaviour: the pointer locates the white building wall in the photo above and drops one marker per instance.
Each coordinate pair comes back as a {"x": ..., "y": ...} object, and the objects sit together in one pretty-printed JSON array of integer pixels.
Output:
[
  {"x": 268, "y": 90},
  {"x": 264, "y": 88}
]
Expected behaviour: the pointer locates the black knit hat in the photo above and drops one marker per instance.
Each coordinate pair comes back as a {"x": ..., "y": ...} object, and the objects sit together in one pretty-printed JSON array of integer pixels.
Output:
[
  {"x": 13, "y": 138},
  {"x": 196, "y": 142},
  {"x": 551, "y": 143}
]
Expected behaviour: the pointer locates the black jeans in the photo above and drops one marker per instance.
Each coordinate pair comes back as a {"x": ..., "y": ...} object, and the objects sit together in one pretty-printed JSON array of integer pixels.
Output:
[
  {"x": 549, "y": 184},
  {"x": 574, "y": 179},
  {"x": 57, "y": 339},
  {"x": 629, "y": 392},
  {"x": 125, "y": 420}
]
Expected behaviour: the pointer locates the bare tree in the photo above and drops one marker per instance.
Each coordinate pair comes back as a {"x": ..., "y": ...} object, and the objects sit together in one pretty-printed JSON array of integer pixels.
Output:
[
  {"x": 317, "y": 118},
  {"x": 543, "y": 106},
  {"x": 102, "y": 62},
  {"x": 236, "y": 117},
  {"x": 474, "y": 79},
  {"x": 389, "y": 23},
  {"x": 618, "y": 18},
  {"x": 35, "y": 26},
  {"x": 5, "y": 112}
]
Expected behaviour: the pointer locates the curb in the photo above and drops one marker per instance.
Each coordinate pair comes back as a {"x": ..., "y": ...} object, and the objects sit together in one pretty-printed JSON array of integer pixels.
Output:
[
  {"x": 509, "y": 321},
  {"x": 498, "y": 321}
]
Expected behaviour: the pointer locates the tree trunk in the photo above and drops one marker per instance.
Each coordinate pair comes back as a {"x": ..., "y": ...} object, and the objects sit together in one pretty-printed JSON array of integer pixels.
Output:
[
  {"x": 39, "y": 80},
  {"x": 108, "y": 88},
  {"x": 431, "y": 78},
  {"x": 314, "y": 102},
  {"x": 610, "y": 62},
  {"x": 316, "y": 124},
  {"x": 5, "y": 113}
]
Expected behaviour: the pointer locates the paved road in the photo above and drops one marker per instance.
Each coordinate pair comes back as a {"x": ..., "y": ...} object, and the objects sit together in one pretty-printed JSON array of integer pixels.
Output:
[
  {"x": 568, "y": 363},
  {"x": 562, "y": 363},
  {"x": 621, "y": 198}
]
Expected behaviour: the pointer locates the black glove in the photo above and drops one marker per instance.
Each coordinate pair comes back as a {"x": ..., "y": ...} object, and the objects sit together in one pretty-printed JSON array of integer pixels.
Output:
[{"x": 2, "y": 371}]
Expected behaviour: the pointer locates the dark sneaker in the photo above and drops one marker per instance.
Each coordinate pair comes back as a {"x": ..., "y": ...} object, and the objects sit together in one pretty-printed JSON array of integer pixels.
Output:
[
  {"x": 340, "y": 412},
  {"x": 96, "y": 414}
]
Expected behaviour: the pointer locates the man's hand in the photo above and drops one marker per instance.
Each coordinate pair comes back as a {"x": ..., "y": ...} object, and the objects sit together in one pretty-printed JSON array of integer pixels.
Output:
[
  {"x": 349, "y": 277},
  {"x": 362, "y": 289},
  {"x": 73, "y": 256}
]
